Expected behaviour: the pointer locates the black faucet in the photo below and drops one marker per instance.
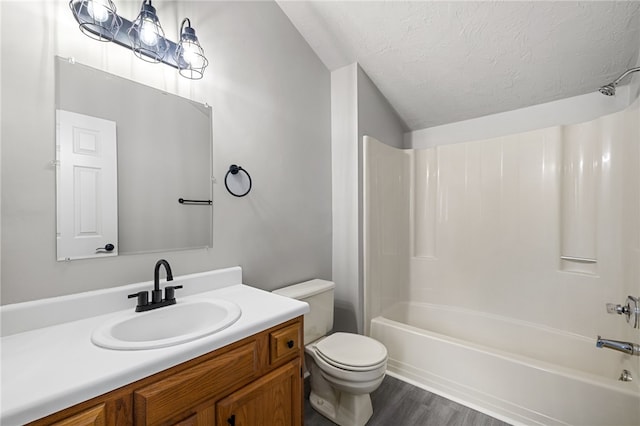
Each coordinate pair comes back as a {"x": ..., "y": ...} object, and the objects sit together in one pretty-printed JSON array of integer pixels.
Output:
[{"x": 156, "y": 295}]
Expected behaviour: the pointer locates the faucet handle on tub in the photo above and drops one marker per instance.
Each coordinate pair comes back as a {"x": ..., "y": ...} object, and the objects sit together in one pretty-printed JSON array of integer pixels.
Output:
[
  {"x": 631, "y": 310},
  {"x": 169, "y": 292}
]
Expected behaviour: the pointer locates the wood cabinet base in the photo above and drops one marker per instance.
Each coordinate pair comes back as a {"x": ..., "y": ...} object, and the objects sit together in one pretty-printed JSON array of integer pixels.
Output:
[{"x": 255, "y": 381}]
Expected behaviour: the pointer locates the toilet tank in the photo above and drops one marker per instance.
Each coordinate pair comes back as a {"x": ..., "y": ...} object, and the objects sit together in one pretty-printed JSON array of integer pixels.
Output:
[{"x": 319, "y": 295}]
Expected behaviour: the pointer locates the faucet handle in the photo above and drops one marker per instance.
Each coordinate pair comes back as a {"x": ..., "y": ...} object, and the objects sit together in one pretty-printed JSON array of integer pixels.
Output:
[
  {"x": 613, "y": 308},
  {"x": 143, "y": 297},
  {"x": 169, "y": 292},
  {"x": 631, "y": 310}
]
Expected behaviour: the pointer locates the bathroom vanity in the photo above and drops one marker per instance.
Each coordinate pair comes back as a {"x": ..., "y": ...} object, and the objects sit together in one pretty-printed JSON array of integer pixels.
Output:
[
  {"x": 258, "y": 377},
  {"x": 249, "y": 371}
]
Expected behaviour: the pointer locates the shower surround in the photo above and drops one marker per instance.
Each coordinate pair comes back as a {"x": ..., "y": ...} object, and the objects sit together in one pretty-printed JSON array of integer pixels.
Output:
[{"x": 488, "y": 264}]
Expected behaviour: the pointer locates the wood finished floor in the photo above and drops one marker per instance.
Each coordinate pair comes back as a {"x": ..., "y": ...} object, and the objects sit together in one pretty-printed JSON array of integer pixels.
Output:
[{"x": 397, "y": 403}]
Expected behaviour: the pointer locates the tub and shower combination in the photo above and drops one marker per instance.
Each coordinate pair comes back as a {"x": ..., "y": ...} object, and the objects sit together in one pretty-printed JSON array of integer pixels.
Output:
[
  {"x": 521, "y": 373},
  {"x": 488, "y": 266}
]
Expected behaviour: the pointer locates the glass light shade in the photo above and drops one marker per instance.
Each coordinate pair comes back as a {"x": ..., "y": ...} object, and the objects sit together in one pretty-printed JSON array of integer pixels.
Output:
[
  {"x": 97, "y": 18},
  {"x": 98, "y": 10},
  {"x": 149, "y": 32},
  {"x": 147, "y": 36},
  {"x": 189, "y": 54}
]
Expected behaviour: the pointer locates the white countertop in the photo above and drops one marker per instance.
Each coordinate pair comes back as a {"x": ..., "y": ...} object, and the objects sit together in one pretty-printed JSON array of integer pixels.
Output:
[{"x": 47, "y": 369}]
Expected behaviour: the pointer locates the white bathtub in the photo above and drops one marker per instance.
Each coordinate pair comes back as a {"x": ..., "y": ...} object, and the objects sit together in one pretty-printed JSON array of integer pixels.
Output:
[{"x": 518, "y": 372}]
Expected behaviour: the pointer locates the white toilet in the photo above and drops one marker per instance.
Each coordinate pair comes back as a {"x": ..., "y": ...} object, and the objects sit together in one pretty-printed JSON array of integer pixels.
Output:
[{"x": 345, "y": 367}]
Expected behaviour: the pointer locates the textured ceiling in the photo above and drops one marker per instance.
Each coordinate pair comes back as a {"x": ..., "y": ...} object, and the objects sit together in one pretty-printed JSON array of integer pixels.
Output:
[{"x": 442, "y": 62}]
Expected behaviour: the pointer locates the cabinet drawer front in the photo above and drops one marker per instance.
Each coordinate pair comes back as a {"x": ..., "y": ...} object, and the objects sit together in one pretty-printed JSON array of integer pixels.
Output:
[
  {"x": 285, "y": 343},
  {"x": 182, "y": 391},
  {"x": 95, "y": 416}
]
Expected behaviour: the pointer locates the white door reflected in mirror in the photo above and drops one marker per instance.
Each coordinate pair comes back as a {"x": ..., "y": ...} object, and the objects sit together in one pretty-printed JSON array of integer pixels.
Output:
[{"x": 87, "y": 216}]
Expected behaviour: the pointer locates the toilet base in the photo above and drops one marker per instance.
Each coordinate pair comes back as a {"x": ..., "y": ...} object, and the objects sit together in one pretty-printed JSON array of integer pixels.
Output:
[
  {"x": 343, "y": 408},
  {"x": 344, "y": 398}
]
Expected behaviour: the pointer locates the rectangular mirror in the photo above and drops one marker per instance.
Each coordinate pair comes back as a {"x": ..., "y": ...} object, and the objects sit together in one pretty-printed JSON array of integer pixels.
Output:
[{"x": 126, "y": 153}]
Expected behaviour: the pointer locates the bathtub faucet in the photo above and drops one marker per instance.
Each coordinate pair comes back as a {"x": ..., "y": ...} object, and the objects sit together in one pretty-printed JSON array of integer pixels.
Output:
[{"x": 626, "y": 347}]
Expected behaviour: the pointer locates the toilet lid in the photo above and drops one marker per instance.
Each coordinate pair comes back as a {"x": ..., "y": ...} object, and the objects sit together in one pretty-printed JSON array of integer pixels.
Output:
[{"x": 352, "y": 350}]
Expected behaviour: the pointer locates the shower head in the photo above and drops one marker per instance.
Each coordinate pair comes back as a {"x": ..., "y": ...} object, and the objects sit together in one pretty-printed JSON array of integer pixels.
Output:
[{"x": 610, "y": 89}]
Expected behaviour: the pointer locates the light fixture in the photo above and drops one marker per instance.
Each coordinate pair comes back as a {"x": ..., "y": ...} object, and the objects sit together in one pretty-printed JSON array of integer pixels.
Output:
[
  {"x": 97, "y": 18},
  {"x": 189, "y": 54},
  {"x": 144, "y": 36},
  {"x": 147, "y": 36}
]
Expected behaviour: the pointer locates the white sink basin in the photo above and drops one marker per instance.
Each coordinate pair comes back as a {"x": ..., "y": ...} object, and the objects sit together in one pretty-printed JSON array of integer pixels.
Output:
[{"x": 166, "y": 326}]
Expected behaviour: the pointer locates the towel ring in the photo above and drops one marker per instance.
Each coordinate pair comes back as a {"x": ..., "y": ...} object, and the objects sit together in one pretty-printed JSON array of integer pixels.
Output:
[{"x": 234, "y": 170}]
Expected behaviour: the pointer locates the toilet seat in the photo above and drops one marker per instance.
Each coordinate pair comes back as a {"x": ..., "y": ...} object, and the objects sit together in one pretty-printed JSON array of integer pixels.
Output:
[
  {"x": 355, "y": 379},
  {"x": 352, "y": 352},
  {"x": 339, "y": 354},
  {"x": 349, "y": 368}
]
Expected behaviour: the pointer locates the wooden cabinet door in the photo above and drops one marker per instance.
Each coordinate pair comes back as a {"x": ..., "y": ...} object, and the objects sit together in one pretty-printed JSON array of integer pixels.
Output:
[
  {"x": 273, "y": 400},
  {"x": 203, "y": 417}
]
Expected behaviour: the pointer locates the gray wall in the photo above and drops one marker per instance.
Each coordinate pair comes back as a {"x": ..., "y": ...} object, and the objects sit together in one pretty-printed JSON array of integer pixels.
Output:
[
  {"x": 270, "y": 96},
  {"x": 376, "y": 116}
]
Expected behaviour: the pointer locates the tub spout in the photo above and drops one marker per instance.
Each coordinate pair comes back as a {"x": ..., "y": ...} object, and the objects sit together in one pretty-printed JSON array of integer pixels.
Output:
[{"x": 626, "y": 347}]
